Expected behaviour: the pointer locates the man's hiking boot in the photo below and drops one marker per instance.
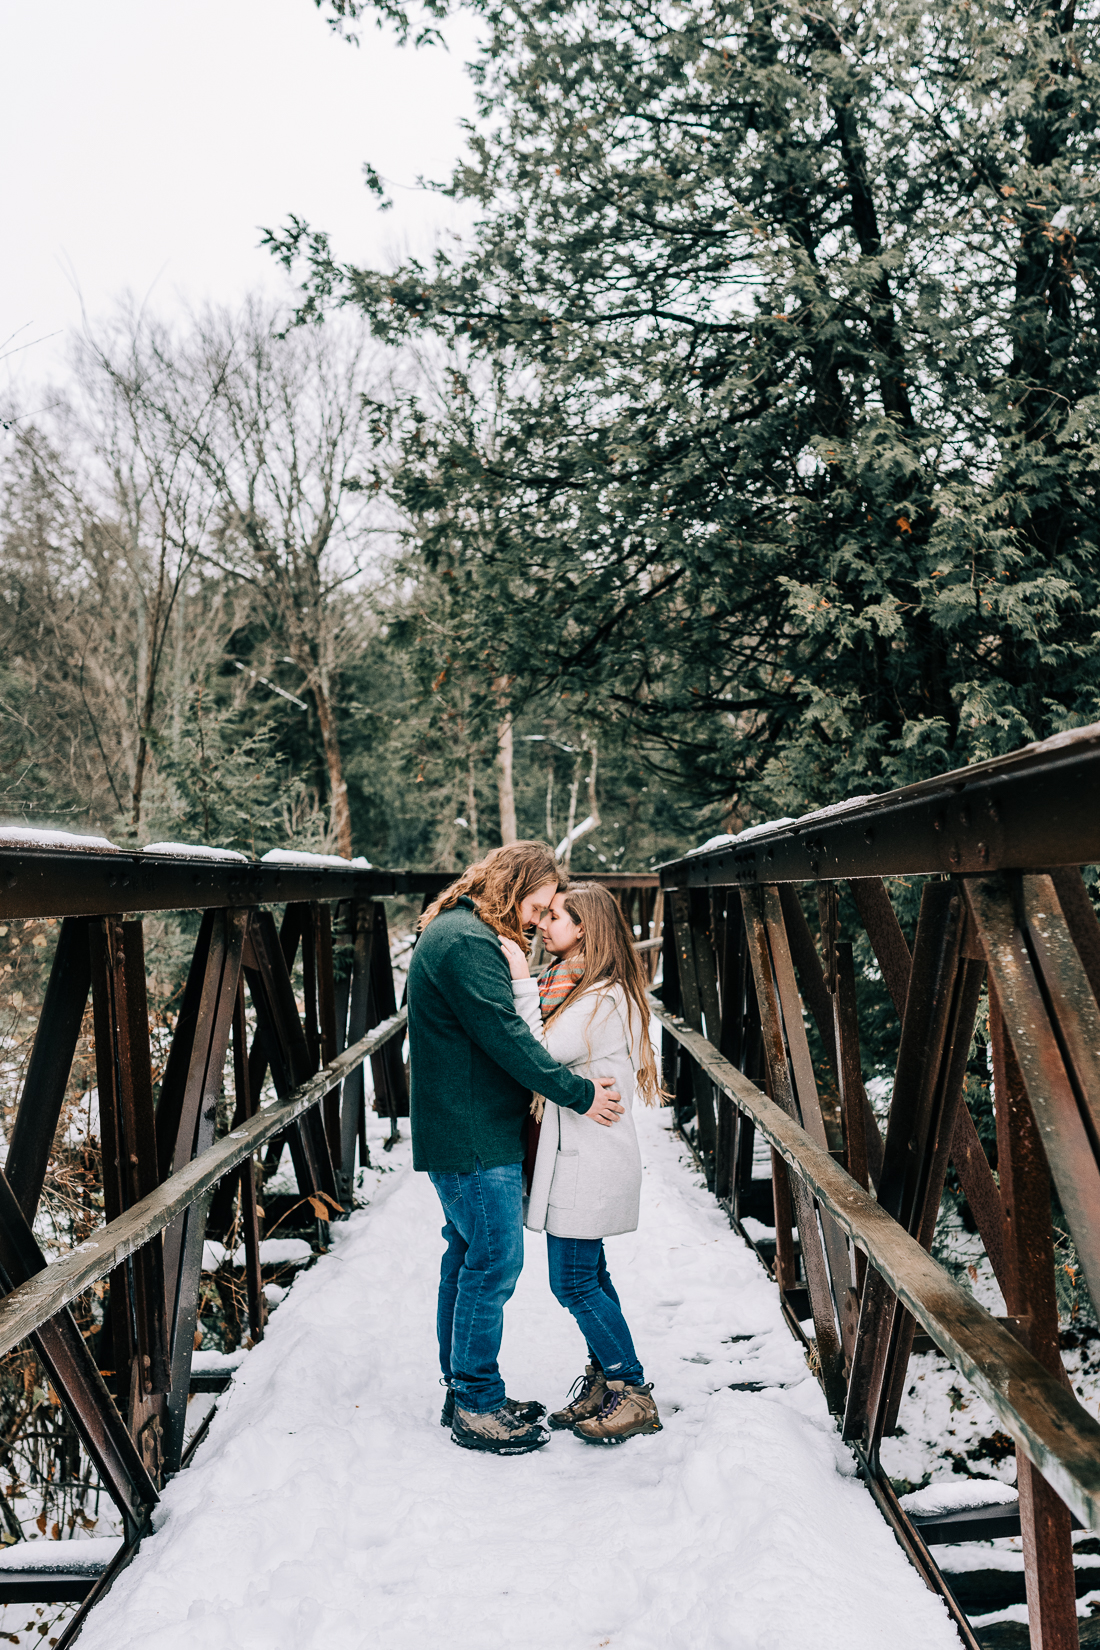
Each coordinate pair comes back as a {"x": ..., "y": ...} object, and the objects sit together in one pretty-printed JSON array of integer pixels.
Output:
[
  {"x": 530, "y": 1411},
  {"x": 585, "y": 1397},
  {"x": 625, "y": 1412},
  {"x": 501, "y": 1432}
]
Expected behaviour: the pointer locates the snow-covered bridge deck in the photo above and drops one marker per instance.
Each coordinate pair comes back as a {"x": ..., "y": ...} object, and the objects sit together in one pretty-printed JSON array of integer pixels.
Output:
[{"x": 327, "y": 1509}]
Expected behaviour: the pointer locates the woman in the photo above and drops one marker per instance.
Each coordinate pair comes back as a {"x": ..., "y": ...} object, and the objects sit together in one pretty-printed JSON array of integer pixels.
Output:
[
  {"x": 587, "y": 1181},
  {"x": 474, "y": 1064}
]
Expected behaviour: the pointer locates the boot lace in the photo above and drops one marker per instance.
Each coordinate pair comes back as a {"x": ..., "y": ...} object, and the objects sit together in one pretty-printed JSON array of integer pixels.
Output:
[
  {"x": 581, "y": 1387},
  {"x": 612, "y": 1401}
]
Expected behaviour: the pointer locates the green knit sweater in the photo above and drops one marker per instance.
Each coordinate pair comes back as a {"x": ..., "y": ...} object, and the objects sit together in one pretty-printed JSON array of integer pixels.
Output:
[{"x": 473, "y": 1062}]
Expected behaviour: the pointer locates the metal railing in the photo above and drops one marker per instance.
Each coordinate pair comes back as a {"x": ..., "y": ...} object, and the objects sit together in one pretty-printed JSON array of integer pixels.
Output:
[
  {"x": 1004, "y": 910},
  {"x": 162, "y": 1165}
]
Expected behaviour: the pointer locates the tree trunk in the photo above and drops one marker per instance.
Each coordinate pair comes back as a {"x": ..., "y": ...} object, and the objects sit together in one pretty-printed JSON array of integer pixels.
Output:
[
  {"x": 566, "y": 852},
  {"x": 180, "y": 670},
  {"x": 341, "y": 814},
  {"x": 471, "y": 805},
  {"x": 147, "y": 709},
  {"x": 151, "y": 638},
  {"x": 508, "y": 832},
  {"x": 139, "y": 781},
  {"x": 590, "y": 780},
  {"x": 573, "y": 832}
]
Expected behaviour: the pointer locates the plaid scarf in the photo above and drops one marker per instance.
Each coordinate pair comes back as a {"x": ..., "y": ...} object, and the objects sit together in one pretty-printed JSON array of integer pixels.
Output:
[{"x": 556, "y": 984}]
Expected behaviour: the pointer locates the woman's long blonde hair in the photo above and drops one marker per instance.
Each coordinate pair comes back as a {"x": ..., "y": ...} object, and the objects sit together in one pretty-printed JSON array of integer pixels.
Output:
[
  {"x": 499, "y": 883},
  {"x": 609, "y": 958}
]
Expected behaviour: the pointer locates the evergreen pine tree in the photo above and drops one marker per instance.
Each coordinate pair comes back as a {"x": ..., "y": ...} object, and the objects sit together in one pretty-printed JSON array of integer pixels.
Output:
[{"x": 795, "y": 311}]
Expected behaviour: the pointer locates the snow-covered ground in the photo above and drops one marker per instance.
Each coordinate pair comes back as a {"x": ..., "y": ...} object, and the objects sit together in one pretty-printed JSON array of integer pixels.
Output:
[{"x": 327, "y": 1509}]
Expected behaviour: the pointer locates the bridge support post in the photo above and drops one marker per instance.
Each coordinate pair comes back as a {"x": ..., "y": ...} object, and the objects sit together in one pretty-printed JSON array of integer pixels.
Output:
[
  {"x": 391, "y": 1090},
  {"x": 187, "y": 1120},
  {"x": 136, "y": 1305},
  {"x": 1028, "y": 1286},
  {"x": 940, "y": 1009},
  {"x": 249, "y": 1203},
  {"x": 774, "y": 978},
  {"x": 698, "y": 997},
  {"x": 353, "y": 1102}
]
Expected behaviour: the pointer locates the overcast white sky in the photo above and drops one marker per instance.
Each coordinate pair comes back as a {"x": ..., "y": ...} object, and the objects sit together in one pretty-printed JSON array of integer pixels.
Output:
[{"x": 143, "y": 144}]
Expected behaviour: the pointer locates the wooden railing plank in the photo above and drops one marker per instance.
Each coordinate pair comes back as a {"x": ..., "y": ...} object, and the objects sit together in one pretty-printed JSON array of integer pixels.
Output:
[{"x": 37, "y": 1300}]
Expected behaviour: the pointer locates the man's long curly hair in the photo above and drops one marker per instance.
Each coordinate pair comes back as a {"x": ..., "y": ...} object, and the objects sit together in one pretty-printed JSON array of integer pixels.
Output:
[{"x": 499, "y": 883}]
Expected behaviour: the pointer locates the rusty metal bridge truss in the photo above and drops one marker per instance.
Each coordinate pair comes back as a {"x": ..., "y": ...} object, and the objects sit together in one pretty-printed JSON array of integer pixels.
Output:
[
  {"x": 994, "y": 852},
  {"x": 161, "y": 1163}
]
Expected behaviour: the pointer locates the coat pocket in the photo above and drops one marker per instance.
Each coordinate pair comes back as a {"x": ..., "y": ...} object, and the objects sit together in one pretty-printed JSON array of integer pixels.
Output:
[{"x": 563, "y": 1187}]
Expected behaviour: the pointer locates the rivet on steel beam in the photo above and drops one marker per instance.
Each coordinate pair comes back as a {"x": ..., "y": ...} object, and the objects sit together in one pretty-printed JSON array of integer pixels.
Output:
[
  {"x": 964, "y": 816},
  {"x": 953, "y": 856},
  {"x": 994, "y": 810},
  {"x": 983, "y": 852},
  {"x": 868, "y": 835},
  {"x": 937, "y": 823}
]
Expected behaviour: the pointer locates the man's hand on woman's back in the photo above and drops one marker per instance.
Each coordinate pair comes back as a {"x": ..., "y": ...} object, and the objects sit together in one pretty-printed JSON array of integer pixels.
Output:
[{"x": 605, "y": 1108}]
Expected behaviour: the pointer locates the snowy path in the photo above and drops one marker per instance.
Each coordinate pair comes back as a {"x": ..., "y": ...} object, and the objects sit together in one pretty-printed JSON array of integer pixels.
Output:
[{"x": 327, "y": 1509}]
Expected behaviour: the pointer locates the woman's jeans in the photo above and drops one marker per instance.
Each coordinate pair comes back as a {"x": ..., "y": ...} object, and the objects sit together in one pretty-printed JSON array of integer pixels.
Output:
[
  {"x": 581, "y": 1282},
  {"x": 481, "y": 1265}
]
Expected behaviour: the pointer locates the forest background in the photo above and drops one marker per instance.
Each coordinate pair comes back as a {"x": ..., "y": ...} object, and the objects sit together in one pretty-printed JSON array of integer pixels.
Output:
[
  {"x": 220, "y": 626},
  {"x": 743, "y": 458}
]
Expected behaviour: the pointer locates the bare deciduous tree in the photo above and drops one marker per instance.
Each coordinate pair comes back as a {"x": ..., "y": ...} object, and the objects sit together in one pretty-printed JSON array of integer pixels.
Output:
[
  {"x": 156, "y": 500},
  {"x": 102, "y": 523},
  {"x": 292, "y": 451}
]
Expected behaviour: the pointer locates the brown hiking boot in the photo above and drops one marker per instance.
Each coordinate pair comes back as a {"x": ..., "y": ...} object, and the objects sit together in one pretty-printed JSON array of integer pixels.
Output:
[
  {"x": 625, "y": 1411},
  {"x": 585, "y": 1397},
  {"x": 500, "y": 1432}
]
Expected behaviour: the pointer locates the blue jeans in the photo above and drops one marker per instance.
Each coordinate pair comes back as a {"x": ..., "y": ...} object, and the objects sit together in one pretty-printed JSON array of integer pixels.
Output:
[
  {"x": 581, "y": 1282},
  {"x": 480, "y": 1269}
]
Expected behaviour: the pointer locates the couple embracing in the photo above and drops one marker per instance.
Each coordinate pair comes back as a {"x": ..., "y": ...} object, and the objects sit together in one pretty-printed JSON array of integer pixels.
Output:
[{"x": 506, "y": 1068}]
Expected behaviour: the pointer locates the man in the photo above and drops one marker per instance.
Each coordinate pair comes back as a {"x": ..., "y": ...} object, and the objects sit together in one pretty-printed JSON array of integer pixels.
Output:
[{"x": 473, "y": 1067}]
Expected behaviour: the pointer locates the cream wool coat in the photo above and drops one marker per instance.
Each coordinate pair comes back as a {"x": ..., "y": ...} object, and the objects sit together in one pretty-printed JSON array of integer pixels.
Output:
[{"x": 588, "y": 1179}]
